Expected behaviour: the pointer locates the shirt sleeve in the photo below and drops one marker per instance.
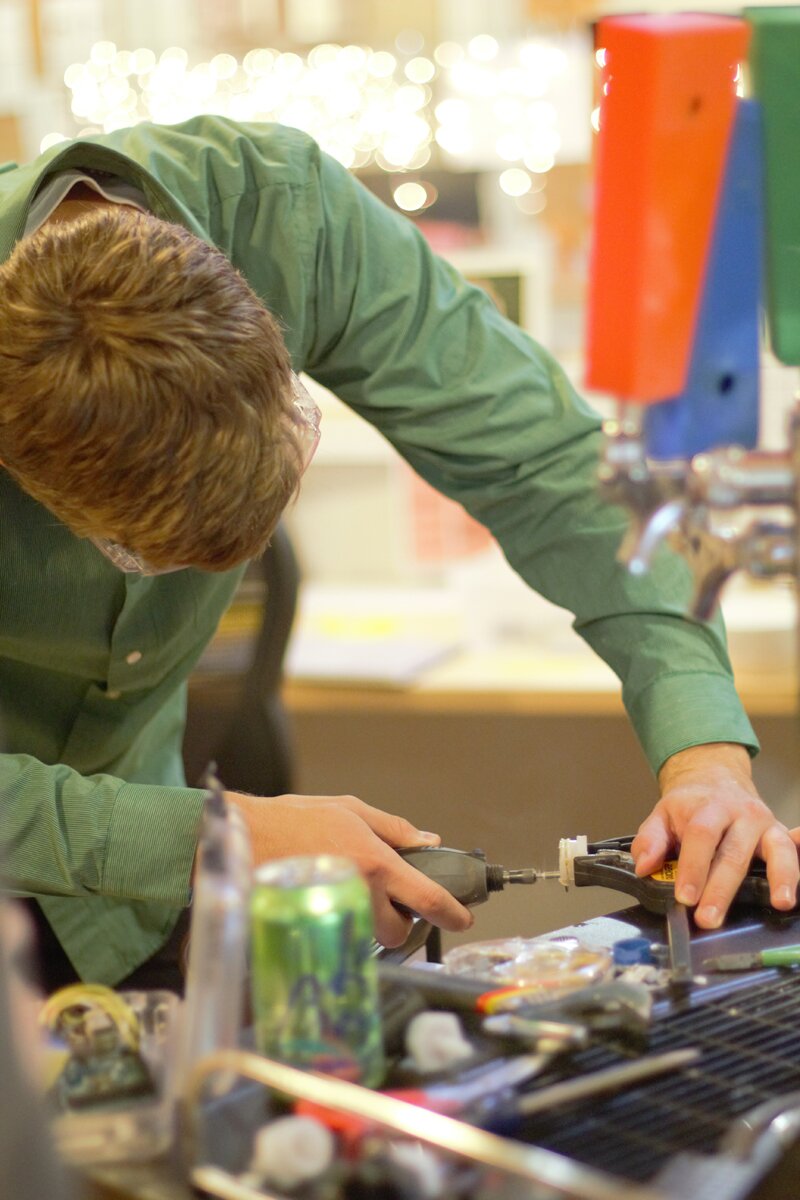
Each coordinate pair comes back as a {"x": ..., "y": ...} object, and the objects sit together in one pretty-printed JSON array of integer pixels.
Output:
[
  {"x": 487, "y": 417},
  {"x": 63, "y": 834}
]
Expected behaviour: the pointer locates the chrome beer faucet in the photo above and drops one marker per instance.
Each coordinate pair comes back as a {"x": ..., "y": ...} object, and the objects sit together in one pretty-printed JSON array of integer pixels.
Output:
[
  {"x": 652, "y": 492},
  {"x": 725, "y": 510}
]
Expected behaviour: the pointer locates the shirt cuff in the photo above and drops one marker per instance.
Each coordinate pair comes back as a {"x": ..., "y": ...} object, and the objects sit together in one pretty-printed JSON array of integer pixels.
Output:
[
  {"x": 683, "y": 709},
  {"x": 152, "y": 839}
]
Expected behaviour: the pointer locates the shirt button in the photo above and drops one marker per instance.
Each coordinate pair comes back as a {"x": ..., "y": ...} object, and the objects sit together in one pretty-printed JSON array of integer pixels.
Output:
[
  {"x": 133, "y": 657},
  {"x": 113, "y": 695}
]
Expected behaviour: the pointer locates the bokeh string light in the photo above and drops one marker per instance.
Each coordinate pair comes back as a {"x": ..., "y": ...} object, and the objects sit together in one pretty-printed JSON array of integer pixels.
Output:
[{"x": 483, "y": 105}]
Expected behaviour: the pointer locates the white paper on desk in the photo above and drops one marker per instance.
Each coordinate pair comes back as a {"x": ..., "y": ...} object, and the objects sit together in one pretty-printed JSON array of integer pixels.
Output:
[
  {"x": 386, "y": 636},
  {"x": 397, "y": 662},
  {"x": 399, "y": 636}
]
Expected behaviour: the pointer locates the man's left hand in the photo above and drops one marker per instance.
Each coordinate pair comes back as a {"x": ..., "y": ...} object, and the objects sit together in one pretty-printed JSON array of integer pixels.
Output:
[{"x": 711, "y": 811}]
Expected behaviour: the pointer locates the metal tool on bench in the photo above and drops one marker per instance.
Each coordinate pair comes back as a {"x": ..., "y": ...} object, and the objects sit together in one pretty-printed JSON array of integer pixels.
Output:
[
  {"x": 760, "y": 960},
  {"x": 610, "y": 1079},
  {"x": 609, "y": 863},
  {"x": 607, "y": 1006}
]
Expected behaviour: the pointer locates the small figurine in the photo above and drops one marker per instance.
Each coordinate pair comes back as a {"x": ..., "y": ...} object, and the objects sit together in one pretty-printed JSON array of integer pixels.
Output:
[{"x": 101, "y": 1037}]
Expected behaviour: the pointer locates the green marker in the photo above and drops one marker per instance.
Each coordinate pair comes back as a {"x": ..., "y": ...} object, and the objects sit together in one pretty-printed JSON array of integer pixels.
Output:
[{"x": 780, "y": 956}]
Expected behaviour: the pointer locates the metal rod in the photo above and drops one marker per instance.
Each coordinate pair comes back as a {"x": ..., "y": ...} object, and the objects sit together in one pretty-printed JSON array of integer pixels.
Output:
[
  {"x": 527, "y": 875},
  {"x": 680, "y": 945},
  {"x": 560, "y": 1174},
  {"x": 609, "y": 1080}
]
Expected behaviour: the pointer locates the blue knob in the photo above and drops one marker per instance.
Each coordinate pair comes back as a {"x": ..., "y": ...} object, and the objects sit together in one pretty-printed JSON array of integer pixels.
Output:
[{"x": 628, "y": 951}]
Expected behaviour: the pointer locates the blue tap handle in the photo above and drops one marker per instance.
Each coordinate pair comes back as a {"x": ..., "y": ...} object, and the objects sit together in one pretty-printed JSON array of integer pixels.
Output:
[{"x": 719, "y": 404}]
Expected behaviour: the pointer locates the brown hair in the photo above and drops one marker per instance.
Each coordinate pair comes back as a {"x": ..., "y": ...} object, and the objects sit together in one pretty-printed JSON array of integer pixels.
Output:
[{"x": 145, "y": 390}]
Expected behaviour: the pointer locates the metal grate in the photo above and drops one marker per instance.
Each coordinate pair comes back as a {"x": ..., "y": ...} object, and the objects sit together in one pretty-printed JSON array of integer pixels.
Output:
[{"x": 750, "y": 1043}]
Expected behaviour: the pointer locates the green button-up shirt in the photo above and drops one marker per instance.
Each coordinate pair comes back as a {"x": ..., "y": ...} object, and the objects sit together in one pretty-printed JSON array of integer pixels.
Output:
[{"x": 97, "y": 823}]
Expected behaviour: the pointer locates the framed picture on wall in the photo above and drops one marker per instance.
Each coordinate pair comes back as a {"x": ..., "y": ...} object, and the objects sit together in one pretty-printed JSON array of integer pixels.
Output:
[{"x": 518, "y": 284}]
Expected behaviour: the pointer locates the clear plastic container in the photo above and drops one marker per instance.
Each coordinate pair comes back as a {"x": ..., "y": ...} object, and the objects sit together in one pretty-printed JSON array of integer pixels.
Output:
[{"x": 535, "y": 965}]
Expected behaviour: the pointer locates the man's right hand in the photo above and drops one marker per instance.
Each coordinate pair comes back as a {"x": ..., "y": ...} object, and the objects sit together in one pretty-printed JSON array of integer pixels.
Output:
[{"x": 283, "y": 826}]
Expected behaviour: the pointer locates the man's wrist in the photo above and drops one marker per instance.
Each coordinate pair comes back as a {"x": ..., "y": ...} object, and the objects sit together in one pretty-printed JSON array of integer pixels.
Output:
[{"x": 711, "y": 756}]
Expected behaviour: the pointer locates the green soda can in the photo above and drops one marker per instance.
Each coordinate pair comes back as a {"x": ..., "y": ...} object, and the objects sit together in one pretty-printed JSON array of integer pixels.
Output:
[{"x": 314, "y": 976}]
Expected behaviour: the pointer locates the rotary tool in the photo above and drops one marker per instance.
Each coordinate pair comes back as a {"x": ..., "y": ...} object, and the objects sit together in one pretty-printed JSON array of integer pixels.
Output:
[{"x": 467, "y": 875}]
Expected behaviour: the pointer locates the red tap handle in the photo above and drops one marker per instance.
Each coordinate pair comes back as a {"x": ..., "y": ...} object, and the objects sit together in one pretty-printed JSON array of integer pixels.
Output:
[{"x": 666, "y": 113}]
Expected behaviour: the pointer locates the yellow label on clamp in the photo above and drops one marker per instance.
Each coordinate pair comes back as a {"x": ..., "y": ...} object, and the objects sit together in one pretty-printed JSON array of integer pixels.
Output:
[{"x": 668, "y": 872}]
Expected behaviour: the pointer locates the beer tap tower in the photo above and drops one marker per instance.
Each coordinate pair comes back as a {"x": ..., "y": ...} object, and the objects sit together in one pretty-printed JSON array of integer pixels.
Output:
[{"x": 697, "y": 175}]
